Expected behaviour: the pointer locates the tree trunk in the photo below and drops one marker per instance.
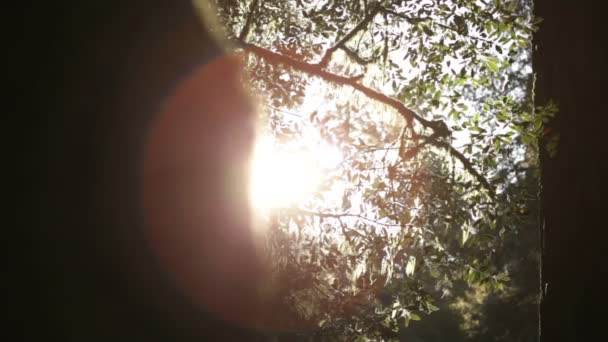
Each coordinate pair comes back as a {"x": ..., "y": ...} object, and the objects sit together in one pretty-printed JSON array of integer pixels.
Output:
[{"x": 570, "y": 61}]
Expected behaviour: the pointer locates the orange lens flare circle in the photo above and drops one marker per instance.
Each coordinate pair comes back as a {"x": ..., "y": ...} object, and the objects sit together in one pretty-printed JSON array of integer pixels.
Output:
[{"x": 196, "y": 202}]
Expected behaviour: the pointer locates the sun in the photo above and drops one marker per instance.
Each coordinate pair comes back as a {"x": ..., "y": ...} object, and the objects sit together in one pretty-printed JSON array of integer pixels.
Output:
[{"x": 286, "y": 174}]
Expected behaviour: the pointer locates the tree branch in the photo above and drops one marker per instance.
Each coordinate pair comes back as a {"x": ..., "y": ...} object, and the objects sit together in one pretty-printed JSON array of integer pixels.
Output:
[
  {"x": 467, "y": 165},
  {"x": 415, "y": 21},
  {"x": 340, "y": 43},
  {"x": 409, "y": 115},
  {"x": 341, "y": 215},
  {"x": 285, "y": 111},
  {"x": 248, "y": 21},
  {"x": 355, "y": 56},
  {"x": 316, "y": 70}
]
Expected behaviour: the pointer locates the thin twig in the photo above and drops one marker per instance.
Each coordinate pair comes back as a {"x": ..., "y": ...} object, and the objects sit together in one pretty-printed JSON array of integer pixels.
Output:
[
  {"x": 355, "y": 56},
  {"x": 467, "y": 165},
  {"x": 342, "y": 215},
  {"x": 285, "y": 111},
  {"x": 326, "y": 57}
]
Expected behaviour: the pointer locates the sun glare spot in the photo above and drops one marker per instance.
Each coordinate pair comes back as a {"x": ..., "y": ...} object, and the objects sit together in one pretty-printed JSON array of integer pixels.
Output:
[{"x": 284, "y": 175}]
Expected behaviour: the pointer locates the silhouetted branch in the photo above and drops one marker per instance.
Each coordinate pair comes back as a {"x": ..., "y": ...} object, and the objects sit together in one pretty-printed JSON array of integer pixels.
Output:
[
  {"x": 340, "y": 216},
  {"x": 340, "y": 43},
  {"x": 438, "y": 127},
  {"x": 316, "y": 70},
  {"x": 466, "y": 163},
  {"x": 248, "y": 21},
  {"x": 355, "y": 56},
  {"x": 415, "y": 21}
]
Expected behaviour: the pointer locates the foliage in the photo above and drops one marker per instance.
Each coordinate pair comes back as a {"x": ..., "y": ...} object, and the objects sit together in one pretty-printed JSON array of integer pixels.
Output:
[{"x": 428, "y": 102}]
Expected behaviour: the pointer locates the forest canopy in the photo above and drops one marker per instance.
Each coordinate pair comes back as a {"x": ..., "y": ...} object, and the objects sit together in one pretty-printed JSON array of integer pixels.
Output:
[{"x": 395, "y": 169}]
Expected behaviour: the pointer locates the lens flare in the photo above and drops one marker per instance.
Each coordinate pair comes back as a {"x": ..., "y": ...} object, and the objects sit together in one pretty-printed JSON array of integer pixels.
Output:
[{"x": 287, "y": 175}]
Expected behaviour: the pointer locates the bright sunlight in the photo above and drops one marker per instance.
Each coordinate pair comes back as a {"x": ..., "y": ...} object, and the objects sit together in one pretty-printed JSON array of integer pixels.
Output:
[{"x": 286, "y": 174}]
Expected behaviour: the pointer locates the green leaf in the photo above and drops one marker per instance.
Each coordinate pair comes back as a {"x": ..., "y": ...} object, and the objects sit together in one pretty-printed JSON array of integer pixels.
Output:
[
  {"x": 427, "y": 30},
  {"x": 411, "y": 265},
  {"x": 493, "y": 64},
  {"x": 537, "y": 20},
  {"x": 432, "y": 307},
  {"x": 465, "y": 236}
]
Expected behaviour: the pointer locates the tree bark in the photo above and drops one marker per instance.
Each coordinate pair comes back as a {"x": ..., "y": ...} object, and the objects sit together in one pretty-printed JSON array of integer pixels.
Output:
[{"x": 570, "y": 61}]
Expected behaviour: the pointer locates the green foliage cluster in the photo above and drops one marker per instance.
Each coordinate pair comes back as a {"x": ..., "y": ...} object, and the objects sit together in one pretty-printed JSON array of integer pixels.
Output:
[{"x": 429, "y": 102}]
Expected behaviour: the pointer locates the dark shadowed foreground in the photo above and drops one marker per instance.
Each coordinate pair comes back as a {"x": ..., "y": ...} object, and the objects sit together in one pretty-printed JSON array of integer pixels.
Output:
[{"x": 115, "y": 81}]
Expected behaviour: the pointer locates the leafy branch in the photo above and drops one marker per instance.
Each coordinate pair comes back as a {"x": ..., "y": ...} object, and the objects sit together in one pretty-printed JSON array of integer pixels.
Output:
[
  {"x": 415, "y": 21},
  {"x": 466, "y": 163},
  {"x": 355, "y": 56},
  {"x": 340, "y": 216},
  {"x": 437, "y": 127}
]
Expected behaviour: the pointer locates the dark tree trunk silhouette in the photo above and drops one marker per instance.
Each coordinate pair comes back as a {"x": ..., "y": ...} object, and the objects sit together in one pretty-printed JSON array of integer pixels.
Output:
[
  {"x": 570, "y": 61},
  {"x": 98, "y": 72}
]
